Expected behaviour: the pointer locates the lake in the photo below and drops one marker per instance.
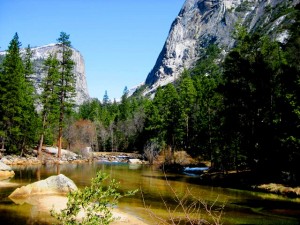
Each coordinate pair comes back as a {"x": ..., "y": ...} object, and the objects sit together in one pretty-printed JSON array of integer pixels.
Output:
[{"x": 241, "y": 207}]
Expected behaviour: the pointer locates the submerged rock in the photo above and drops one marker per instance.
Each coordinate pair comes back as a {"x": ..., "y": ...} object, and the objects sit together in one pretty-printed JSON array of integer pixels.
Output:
[
  {"x": 5, "y": 171},
  {"x": 59, "y": 184}
]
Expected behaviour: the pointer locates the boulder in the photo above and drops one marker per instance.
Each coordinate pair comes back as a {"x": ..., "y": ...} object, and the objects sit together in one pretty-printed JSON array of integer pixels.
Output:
[
  {"x": 64, "y": 153},
  {"x": 5, "y": 171},
  {"x": 4, "y": 167},
  {"x": 135, "y": 161},
  {"x": 87, "y": 152},
  {"x": 4, "y": 175},
  {"x": 59, "y": 184}
]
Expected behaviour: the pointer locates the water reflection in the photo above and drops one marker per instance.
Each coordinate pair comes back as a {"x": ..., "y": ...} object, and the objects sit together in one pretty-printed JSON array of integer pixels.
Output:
[{"x": 241, "y": 206}]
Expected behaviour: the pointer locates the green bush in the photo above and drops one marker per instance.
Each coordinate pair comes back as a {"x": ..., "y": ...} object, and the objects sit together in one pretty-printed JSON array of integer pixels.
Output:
[{"x": 95, "y": 201}]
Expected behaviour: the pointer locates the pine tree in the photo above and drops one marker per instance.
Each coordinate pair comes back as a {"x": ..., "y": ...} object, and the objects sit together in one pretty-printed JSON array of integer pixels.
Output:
[
  {"x": 17, "y": 112},
  {"x": 106, "y": 99},
  {"x": 66, "y": 91},
  {"x": 30, "y": 118},
  {"x": 124, "y": 106},
  {"x": 154, "y": 124},
  {"x": 187, "y": 94},
  {"x": 49, "y": 96},
  {"x": 28, "y": 68},
  {"x": 173, "y": 117}
]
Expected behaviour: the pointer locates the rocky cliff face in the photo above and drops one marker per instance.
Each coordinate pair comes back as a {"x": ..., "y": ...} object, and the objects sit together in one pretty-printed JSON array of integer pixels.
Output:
[
  {"x": 39, "y": 54},
  {"x": 204, "y": 22}
]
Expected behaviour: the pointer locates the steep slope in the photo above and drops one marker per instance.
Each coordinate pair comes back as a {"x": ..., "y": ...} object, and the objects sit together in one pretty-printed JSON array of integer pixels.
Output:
[
  {"x": 39, "y": 54},
  {"x": 204, "y": 22}
]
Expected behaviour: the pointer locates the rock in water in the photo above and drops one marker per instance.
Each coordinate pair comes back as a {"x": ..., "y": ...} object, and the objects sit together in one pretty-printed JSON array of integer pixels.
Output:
[
  {"x": 4, "y": 167},
  {"x": 5, "y": 171},
  {"x": 59, "y": 184}
]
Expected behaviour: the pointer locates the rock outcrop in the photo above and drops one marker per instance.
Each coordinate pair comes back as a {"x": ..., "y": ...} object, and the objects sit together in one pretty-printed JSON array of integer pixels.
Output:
[
  {"x": 39, "y": 55},
  {"x": 59, "y": 184},
  {"x": 6, "y": 172},
  {"x": 204, "y": 22}
]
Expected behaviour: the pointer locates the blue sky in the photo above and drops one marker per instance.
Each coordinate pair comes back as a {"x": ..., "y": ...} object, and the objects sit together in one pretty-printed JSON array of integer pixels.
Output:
[{"x": 120, "y": 40}]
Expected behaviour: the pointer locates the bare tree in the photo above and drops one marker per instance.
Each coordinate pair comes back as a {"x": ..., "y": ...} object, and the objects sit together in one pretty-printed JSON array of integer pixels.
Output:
[
  {"x": 81, "y": 134},
  {"x": 151, "y": 151}
]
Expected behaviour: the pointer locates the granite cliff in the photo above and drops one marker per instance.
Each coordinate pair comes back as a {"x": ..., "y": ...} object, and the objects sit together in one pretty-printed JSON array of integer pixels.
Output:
[
  {"x": 203, "y": 22},
  {"x": 39, "y": 54}
]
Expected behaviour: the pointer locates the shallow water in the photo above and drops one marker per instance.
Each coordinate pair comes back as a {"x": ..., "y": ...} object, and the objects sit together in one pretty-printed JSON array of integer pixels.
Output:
[{"x": 241, "y": 207}]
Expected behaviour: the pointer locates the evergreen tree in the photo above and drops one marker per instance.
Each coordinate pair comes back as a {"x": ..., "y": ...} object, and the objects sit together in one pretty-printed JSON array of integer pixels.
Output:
[
  {"x": 49, "y": 96},
  {"x": 67, "y": 81},
  {"x": 124, "y": 105},
  {"x": 174, "y": 120},
  {"x": 289, "y": 106},
  {"x": 155, "y": 118},
  {"x": 16, "y": 101},
  {"x": 106, "y": 99},
  {"x": 204, "y": 120},
  {"x": 251, "y": 94},
  {"x": 187, "y": 94},
  {"x": 30, "y": 117},
  {"x": 28, "y": 68}
]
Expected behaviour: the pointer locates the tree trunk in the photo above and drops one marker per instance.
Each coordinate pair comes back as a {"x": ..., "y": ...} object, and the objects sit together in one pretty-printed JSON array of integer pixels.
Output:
[
  {"x": 57, "y": 169},
  {"x": 60, "y": 125},
  {"x": 2, "y": 143},
  {"x": 59, "y": 142},
  {"x": 187, "y": 133},
  {"x": 41, "y": 146},
  {"x": 23, "y": 147},
  {"x": 42, "y": 135}
]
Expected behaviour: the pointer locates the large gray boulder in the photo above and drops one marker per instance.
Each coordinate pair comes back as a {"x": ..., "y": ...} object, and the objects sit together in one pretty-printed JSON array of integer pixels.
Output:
[
  {"x": 59, "y": 184},
  {"x": 5, "y": 171}
]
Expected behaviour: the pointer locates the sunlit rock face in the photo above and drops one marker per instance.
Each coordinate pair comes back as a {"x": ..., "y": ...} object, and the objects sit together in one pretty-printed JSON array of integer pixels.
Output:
[
  {"x": 40, "y": 54},
  {"x": 203, "y": 22}
]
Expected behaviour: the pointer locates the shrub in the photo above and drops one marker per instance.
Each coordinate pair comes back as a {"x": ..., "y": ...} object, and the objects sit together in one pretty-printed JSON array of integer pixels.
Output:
[{"x": 95, "y": 202}]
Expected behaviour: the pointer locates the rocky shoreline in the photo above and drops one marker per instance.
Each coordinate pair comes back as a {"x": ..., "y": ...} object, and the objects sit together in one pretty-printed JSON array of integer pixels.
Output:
[
  {"x": 70, "y": 157},
  {"x": 49, "y": 157}
]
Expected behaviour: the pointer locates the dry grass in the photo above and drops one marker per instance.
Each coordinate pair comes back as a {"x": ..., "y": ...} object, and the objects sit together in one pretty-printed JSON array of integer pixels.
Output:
[{"x": 280, "y": 189}]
